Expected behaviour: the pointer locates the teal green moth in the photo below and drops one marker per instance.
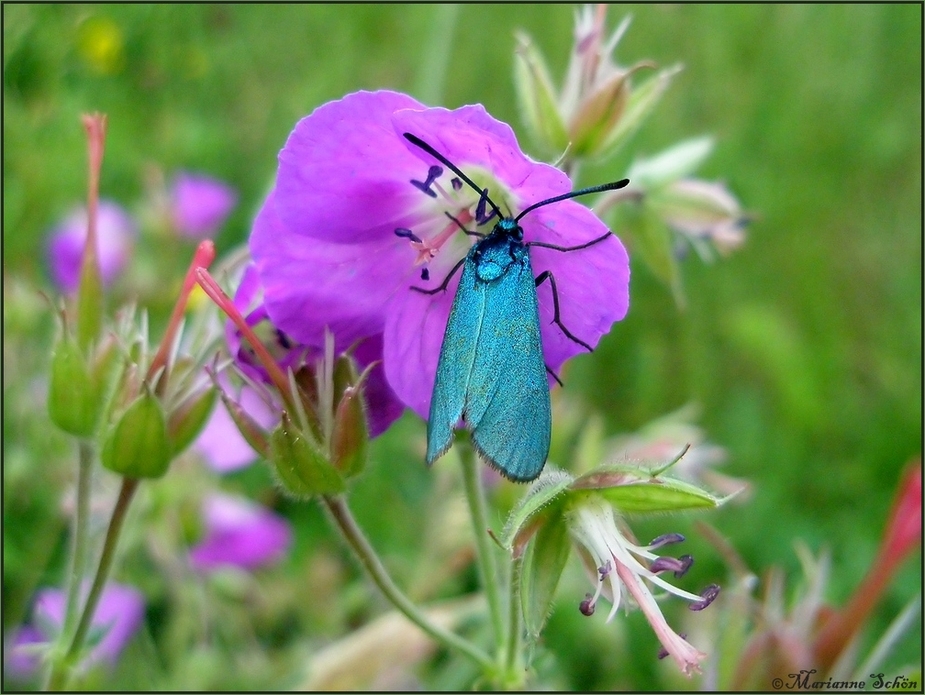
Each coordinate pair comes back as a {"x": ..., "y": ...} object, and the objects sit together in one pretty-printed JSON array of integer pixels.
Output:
[{"x": 491, "y": 373}]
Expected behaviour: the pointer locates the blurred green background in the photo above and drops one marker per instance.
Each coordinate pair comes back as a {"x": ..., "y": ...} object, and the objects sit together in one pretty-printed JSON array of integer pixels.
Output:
[{"x": 803, "y": 349}]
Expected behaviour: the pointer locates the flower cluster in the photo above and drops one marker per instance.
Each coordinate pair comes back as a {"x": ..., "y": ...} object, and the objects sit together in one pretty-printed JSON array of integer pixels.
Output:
[{"x": 597, "y": 109}]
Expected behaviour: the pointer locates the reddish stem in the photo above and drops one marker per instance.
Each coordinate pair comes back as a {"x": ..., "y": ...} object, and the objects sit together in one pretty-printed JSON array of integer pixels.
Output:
[
  {"x": 205, "y": 254},
  {"x": 903, "y": 534},
  {"x": 224, "y": 302}
]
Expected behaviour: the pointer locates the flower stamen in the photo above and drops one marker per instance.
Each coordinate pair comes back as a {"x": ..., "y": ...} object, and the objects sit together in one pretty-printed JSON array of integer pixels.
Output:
[
  {"x": 707, "y": 596},
  {"x": 678, "y": 565},
  {"x": 666, "y": 539},
  {"x": 405, "y": 233},
  {"x": 428, "y": 249},
  {"x": 433, "y": 173}
]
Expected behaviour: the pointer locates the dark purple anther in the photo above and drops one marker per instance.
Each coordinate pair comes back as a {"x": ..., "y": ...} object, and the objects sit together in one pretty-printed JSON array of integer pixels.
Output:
[
  {"x": 678, "y": 565},
  {"x": 407, "y": 234},
  {"x": 708, "y": 594},
  {"x": 605, "y": 569},
  {"x": 686, "y": 562},
  {"x": 587, "y": 606},
  {"x": 425, "y": 274},
  {"x": 457, "y": 184},
  {"x": 432, "y": 174},
  {"x": 666, "y": 539}
]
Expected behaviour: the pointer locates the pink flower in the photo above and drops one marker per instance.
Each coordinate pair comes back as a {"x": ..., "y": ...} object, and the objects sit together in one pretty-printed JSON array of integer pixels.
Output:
[{"x": 359, "y": 216}]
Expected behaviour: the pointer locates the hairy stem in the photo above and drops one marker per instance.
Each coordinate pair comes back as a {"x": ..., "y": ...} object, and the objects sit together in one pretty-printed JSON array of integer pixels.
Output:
[
  {"x": 488, "y": 565},
  {"x": 512, "y": 652},
  {"x": 361, "y": 547},
  {"x": 61, "y": 670},
  {"x": 81, "y": 534}
]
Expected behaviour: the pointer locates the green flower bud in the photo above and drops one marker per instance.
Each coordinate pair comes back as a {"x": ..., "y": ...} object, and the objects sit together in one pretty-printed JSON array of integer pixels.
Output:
[
  {"x": 252, "y": 432},
  {"x": 649, "y": 237},
  {"x": 640, "y": 103},
  {"x": 630, "y": 490},
  {"x": 187, "y": 420},
  {"x": 138, "y": 445},
  {"x": 543, "y": 565},
  {"x": 598, "y": 114},
  {"x": 74, "y": 404},
  {"x": 351, "y": 434},
  {"x": 536, "y": 97},
  {"x": 677, "y": 162},
  {"x": 300, "y": 465}
]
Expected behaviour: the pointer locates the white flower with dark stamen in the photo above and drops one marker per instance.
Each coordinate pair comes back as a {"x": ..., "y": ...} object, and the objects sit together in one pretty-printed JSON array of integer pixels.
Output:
[{"x": 625, "y": 569}]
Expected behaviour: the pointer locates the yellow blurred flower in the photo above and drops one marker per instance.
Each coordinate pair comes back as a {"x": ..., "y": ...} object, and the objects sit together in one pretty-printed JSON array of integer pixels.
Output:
[{"x": 101, "y": 46}]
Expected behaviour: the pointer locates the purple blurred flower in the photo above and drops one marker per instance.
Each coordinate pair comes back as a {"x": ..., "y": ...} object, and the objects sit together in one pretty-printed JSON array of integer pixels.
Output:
[
  {"x": 239, "y": 533},
  {"x": 115, "y": 235},
  {"x": 200, "y": 204},
  {"x": 19, "y": 658},
  {"x": 118, "y": 616},
  {"x": 327, "y": 252}
]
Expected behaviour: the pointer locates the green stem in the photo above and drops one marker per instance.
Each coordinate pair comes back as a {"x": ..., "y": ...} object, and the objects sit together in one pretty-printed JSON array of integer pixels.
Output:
[
  {"x": 488, "y": 565},
  {"x": 361, "y": 547},
  {"x": 61, "y": 670},
  {"x": 512, "y": 653},
  {"x": 81, "y": 533}
]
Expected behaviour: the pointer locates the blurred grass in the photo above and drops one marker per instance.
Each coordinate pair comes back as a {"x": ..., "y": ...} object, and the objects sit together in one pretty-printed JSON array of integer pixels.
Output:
[{"x": 804, "y": 348}]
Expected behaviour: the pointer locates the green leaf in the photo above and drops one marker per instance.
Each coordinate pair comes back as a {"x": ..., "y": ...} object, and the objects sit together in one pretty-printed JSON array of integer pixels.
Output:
[
  {"x": 545, "y": 559},
  {"x": 630, "y": 492}
]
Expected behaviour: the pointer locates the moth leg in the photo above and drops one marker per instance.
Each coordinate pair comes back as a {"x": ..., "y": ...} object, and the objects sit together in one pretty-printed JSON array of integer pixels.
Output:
[
  {"x": 569, "y": 248},
  {"x": 463, "y": 227},
  {"x": 480, "y": 216},
  {"x": 546, "y": 275},
  {"x": 446, "y": 281},
  {"x": 555, "y": 376}
]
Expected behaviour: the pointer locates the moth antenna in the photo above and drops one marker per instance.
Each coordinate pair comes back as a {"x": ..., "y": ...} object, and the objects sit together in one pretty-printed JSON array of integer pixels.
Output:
[
  {"x": 612, "y": 186},
  {"x": 415, "y": 140}
]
